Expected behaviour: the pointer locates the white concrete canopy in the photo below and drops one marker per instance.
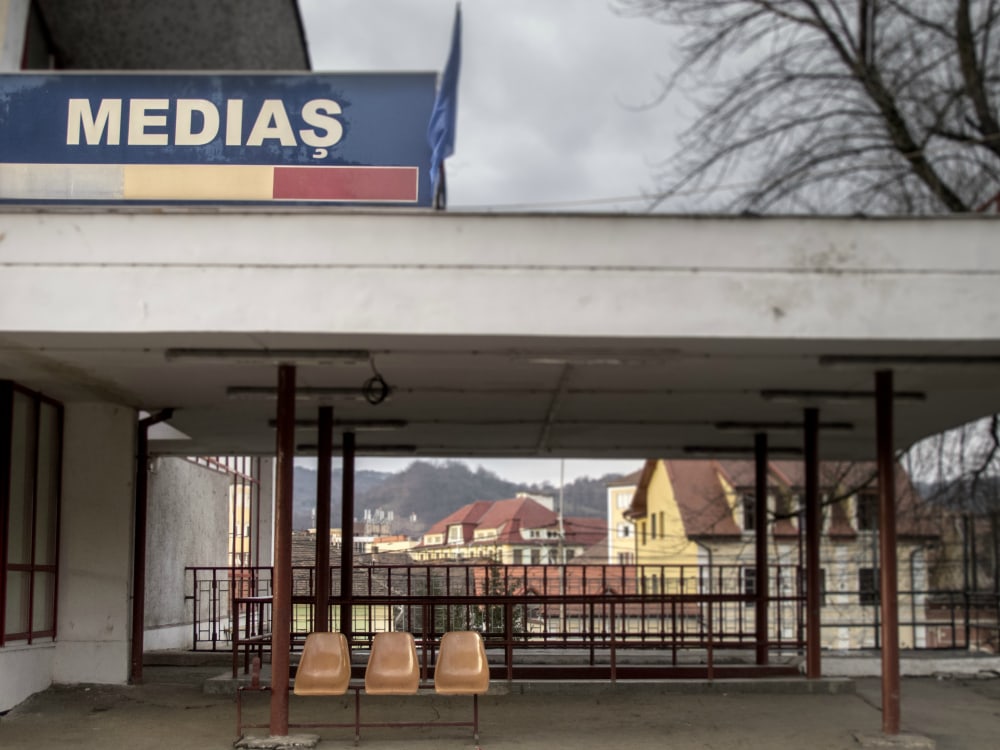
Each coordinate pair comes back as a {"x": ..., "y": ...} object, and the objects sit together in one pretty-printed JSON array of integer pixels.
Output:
[{"x": 511, "y": 335}]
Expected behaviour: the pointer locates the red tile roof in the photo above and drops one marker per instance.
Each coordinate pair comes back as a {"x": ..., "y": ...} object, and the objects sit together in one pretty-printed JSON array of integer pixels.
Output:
[
  {"x": 529, "y": 512},
  {"x": 467, "y": 516},
  {"x": 701, "y": 498},
  {"x": 509, "y": 517}
]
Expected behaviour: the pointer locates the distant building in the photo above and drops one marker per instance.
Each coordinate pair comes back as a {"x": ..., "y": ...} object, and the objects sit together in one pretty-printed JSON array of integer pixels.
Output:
[
  {"x": 689, "y": 514},
  {"x": 621, "y": 530},
  {"x": 518, "y": 531},
  {"x": 394, "y": 543}
]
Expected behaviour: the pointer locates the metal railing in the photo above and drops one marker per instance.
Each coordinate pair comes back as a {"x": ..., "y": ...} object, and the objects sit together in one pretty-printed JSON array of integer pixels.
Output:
[{"x": 691, "y": 613}]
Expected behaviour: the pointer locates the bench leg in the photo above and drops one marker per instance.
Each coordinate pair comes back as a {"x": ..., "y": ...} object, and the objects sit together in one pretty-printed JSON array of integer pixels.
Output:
[
  {"x": 239, "y": 713},
  {"x": 475, "y": 717},
  {"x": 357, "y": 715}
]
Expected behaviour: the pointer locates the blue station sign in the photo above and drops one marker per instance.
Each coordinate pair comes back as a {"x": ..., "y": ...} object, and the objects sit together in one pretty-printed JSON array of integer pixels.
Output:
[{"x": 216, "y": 138}]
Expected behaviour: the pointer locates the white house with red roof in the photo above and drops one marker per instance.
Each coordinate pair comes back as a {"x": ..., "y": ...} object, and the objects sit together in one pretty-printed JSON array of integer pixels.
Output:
[{"x": 521, "y": 530}]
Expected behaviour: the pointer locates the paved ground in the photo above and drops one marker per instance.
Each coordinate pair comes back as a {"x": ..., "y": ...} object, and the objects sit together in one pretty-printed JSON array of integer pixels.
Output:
[{"x": 172, "y": 710}]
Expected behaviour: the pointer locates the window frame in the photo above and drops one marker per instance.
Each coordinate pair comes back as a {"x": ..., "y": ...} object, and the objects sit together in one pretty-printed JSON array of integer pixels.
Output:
[
  {"x": 869, "y": 596},
  {"x": 866, "y": 509},
  {"x": 33, "y": 569}
]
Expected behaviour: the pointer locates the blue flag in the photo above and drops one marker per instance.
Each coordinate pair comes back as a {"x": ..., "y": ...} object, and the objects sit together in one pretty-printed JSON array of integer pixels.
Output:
[{"x": 441, "y": 129}]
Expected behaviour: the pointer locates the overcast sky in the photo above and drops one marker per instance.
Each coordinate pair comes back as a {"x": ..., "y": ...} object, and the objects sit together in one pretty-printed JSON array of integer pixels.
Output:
[
  {"x": 549, "y": 117},
  {"x": 550, "y": 92}
]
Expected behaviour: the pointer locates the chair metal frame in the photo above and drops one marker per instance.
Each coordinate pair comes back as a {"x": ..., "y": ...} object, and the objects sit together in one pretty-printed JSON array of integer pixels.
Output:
[{"x": 392, "y": 669}]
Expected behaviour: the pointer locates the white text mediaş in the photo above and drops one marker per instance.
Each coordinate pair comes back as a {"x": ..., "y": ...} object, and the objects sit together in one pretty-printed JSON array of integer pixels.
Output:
[{"x": 197, "y": 122}]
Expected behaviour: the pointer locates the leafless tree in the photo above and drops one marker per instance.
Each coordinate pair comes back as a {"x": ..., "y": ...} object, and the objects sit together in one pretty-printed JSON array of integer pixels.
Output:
[
  {"x": 961, "y": 467},
  {"x": 837, "y": 106}
]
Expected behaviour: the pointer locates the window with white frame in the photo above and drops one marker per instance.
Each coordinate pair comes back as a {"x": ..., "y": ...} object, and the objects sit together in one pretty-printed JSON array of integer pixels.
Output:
[{"x": 455, "y": 534}]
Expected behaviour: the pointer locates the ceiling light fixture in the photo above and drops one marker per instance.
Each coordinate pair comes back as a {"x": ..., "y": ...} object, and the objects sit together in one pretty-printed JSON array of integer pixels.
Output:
[
  {"x": 737, "y": 426},
  {"x": 729, "y": 450},
  {"x": 363, "y": 450},
  {"x": 834, "y": 395},
  {"x": 599, "y": 358},
  {"x": 359, "y": 425},
  {"x": 908, "y": 360},
  {"x": 270, "y": 356},
  {"x": 270, "y": 393}
]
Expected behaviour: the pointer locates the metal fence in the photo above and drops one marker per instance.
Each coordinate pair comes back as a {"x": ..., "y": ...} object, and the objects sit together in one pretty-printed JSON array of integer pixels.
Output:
[{"x": 689, "y": 613}]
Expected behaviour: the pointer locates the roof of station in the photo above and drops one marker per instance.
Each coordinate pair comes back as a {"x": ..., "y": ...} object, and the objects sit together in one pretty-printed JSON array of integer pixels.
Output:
[{"x": 504, "y": 335}]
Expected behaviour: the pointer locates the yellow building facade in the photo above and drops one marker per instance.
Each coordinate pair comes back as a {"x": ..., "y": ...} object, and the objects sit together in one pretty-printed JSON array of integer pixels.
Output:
[{"x": 694, "y": 531}]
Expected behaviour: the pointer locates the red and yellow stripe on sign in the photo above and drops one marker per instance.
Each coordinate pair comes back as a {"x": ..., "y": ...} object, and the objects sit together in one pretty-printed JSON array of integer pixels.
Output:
[{"x": 208, "y": 182}]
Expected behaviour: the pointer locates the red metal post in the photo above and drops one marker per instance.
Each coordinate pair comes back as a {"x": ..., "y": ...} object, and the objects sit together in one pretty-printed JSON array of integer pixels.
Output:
[
  {"x": 324, "y": 456},
  {"x": 887, "y": 551},
  {"x": 760, "y": 526},
  {"x": 347, "y": 540},
  {"x": 139, "y": 541},
  {"x": 814, "y": 520},
  {"x": 281, "y": 606}
]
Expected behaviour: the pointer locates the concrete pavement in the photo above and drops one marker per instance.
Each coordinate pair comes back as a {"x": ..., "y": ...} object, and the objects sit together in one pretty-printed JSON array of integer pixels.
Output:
[{"x": 173, "y": 710}]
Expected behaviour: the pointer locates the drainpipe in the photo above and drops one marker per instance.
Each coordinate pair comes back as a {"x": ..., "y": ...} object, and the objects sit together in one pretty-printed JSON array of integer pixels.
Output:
[
  {"x": 708, "y": 553},
  {"x": 139, "y": 543},
  {"x": 707, "y": 621}
]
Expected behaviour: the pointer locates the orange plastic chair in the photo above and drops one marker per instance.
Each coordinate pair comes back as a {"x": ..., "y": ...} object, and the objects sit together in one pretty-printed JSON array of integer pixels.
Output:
[
  {"x": 462, "y": 669},
  {"x": 325, "y": 666},
  {"x": 392, "y": 665}
]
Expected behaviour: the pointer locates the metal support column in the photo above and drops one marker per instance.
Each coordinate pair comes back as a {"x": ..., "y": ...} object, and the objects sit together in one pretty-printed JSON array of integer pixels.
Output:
[
  {"x": 887, "y": 550},
  {"x": 281, "y": 606},
  {"x": 324, "y": 457},
  {"x": 760, "y": 529},
  {"x": 814, "y": 519},
  {"x": 347, "y": 541}
]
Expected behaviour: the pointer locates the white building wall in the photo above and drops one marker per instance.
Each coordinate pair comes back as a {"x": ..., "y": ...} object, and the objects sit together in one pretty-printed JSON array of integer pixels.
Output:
[
  {"x": 621, "y": 532},
  {"x": 95, "y": 552},
  {"x": 188, "y": 524},
  {"x": 24, "y": 670}
]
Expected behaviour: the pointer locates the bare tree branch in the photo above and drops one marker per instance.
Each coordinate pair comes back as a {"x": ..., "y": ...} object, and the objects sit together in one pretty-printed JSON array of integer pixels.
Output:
[{"x": 777, "y": 82}]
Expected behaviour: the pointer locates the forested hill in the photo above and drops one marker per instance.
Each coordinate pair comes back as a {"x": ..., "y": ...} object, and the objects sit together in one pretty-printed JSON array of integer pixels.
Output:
[{"x": 432, "y": 490}]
